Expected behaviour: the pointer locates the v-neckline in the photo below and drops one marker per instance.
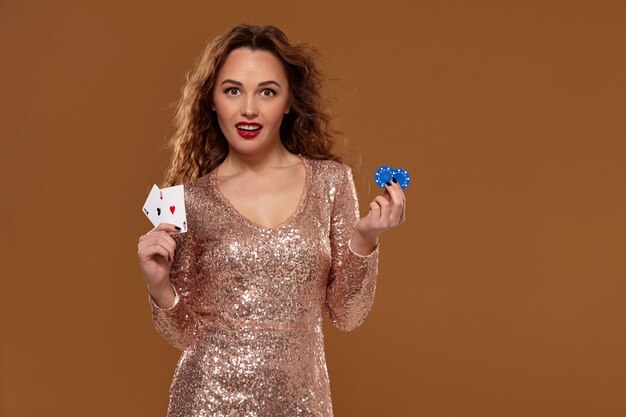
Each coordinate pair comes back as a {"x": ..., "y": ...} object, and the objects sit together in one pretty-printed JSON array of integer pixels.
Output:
[{"x": 289, "y": 220}]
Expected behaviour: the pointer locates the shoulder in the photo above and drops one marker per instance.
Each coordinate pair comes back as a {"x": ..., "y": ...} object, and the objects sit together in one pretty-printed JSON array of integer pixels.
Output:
[
  {"x": 332, "y": 179},
  {"x": 197, "y": 187},
  {"x": 196, "y": 193},
  {"x": 330, "y": 169}
]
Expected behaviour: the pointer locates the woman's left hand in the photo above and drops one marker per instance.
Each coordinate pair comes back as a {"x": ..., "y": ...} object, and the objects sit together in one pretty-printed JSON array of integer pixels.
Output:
[{"x": 386, "y": 212}]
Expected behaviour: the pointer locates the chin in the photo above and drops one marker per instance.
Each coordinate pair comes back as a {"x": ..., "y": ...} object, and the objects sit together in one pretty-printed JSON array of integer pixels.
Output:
[
  {"x": 249, "y": 146},
  {"x": 246, "y": 148}
]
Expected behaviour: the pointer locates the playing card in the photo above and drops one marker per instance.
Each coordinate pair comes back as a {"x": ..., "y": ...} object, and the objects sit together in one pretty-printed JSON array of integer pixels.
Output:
[
  {"x": 173, "y": 206},
  {"x": 167, "y": 205},
  {"x": 151, "y": 205}
]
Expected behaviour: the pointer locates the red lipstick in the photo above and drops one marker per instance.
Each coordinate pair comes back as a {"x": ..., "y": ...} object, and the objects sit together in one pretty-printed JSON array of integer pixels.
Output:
[{"x": 248, "y": 130}]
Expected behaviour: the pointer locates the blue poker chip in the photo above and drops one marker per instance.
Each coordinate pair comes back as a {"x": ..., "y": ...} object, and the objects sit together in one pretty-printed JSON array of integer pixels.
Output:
[
  {"x": 402, "y": 176},
  {"x": 385, "y": 173}
]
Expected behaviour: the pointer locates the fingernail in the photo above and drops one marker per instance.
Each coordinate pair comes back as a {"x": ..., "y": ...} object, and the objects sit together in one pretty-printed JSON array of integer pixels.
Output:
[
  {"x": 177, "y": 228},
  {"x": 394, "y": 179},
  {"x": 388, "y": 183}
]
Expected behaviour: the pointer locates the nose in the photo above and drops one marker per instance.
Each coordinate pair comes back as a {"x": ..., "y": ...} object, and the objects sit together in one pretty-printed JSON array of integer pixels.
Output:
[{"x": 249, "y": 108}]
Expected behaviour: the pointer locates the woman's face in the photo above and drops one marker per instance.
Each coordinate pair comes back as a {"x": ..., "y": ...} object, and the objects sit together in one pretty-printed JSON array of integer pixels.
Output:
[{"x": 250, "y": 97}]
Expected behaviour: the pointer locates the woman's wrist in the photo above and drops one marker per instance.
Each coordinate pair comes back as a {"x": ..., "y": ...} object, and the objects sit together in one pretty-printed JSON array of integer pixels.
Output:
[
  {"x": 163, "y": 295},
  {"x": 363, "y": 245}
]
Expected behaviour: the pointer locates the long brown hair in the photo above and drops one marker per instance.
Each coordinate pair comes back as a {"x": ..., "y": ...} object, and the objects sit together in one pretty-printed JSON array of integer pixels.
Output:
[{"x": 199, "y": 145}]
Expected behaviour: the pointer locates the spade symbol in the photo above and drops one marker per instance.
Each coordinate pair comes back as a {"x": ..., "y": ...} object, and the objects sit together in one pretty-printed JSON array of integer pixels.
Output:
[{"x": 158, "y": 211}]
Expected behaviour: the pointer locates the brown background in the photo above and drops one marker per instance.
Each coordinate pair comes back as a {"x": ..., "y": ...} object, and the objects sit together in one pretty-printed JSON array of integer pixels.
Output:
[{"x": 503, "y": 293}]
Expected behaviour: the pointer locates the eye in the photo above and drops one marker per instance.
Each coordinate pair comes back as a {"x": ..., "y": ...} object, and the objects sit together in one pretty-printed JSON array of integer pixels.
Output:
[
  {"x": 232, "y": 91},
  {"x": 268, "y": 92}
]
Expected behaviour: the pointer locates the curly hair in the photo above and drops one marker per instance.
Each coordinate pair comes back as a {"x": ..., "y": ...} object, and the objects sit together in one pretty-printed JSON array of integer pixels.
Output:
[{"x": 199, "y": 145}]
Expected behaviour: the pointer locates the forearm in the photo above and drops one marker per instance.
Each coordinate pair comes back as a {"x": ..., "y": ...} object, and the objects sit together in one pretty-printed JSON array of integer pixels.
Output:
[
  {"x": 173, "y": 318},
  {"x": 176, "y": 323},
  {"x": 350, "y": 294}
]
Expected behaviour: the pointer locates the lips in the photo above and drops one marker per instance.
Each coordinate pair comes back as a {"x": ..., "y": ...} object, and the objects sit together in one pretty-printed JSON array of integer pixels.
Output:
[{"x": 248, "y": 130}]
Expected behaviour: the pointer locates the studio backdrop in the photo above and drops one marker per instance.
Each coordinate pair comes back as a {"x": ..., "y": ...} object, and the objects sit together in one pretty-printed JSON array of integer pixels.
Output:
[{"x": 501, "y": 296}]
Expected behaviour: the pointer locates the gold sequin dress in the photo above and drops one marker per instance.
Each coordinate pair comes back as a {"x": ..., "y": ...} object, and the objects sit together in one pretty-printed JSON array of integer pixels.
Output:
[{"x": 250, "y": 299}]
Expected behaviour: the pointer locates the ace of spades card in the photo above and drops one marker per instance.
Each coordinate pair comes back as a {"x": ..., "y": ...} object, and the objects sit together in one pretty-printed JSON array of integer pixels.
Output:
[
  {"x": 150, "y": 206},
  {"x": 167, "y": 205}
]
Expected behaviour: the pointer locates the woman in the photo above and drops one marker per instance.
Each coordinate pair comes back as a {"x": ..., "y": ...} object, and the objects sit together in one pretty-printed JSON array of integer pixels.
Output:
[{"x": 274, "y": 235}]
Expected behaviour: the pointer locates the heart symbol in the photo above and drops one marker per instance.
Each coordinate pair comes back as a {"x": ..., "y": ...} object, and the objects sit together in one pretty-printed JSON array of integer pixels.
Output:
[
  {"x": 385, "y": 173},
  {"x": 172, "y": 208}
]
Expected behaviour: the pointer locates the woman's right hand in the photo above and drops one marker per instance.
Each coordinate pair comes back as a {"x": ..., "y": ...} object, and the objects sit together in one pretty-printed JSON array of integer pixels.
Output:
[{"x": 156, "y": 254}]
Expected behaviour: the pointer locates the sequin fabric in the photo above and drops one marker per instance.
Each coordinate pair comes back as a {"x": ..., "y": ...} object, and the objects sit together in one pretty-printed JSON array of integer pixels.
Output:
[{"x": 250, "y": 299}]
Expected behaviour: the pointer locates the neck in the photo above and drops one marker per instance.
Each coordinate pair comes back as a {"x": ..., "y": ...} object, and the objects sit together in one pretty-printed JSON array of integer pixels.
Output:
[{"x": 257, "y": 163}]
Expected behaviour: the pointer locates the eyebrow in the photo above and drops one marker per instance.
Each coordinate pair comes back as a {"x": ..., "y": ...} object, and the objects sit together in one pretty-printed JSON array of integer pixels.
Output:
[{"x": 261, "y": 84}]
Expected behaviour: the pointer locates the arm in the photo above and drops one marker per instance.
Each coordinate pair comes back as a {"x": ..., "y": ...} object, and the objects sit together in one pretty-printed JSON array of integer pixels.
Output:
[
  {"x": 352, "y": 279},
  {"x": 177, "y": 324}
]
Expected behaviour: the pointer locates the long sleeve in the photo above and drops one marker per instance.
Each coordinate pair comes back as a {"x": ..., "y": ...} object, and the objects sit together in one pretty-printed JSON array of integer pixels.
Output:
[
  {"x": 352, "y": 278},
  {"x": 178, "y": 323}
]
